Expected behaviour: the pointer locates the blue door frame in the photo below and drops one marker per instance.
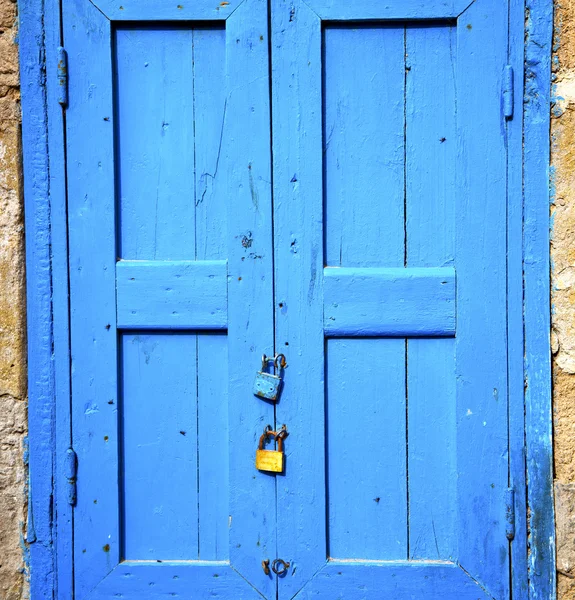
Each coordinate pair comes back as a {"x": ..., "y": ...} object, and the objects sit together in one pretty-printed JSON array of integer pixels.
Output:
[{"x": 49, "y": 533}]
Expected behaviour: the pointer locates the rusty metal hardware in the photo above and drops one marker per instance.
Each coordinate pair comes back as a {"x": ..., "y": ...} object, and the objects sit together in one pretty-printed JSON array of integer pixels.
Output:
[
  {"x": 283, "y": 568},
  {"x": 271, "y": 460},
  {"x": 268, "y": 385},
  {"x": 266, "y": 566}
]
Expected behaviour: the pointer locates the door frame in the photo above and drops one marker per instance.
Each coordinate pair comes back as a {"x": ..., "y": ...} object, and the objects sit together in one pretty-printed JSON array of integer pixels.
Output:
[{"x": 48, "y": 551}]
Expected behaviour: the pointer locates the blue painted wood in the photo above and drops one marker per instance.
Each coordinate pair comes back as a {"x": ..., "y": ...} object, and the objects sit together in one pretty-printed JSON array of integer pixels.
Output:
[
  {"x": 298, "y": 254},
  {"x": 92, "y": 258},
  {"x": 538, "y": 423},
  {"x": 389, "y": 302},
  {"x": 156, "y": 141},
  {"x": 432, "y": 450},
  {"x": 364, "y": 10},
  {"x": 247, "y": 184},
  {"x": 177, "y": 159},
  {"x": 172, "y": 294},
  {"x": 40, "y": 133},
  {"x": 364, "y": 111},
  {"x": 142, "y": 580},
  {"x": 169, "y": 155},
  {"x": 365, "y": 445},
  {"x": 162, "y": 222},
  {"x": 60, "y": 353},
  {"x": 401, "y": 579},
  {"x": 159, "y": 10},
  {"x": 431, "y": 200},
  {"x": 159, "y": 447},
  {"x": 210, "y": 102},
  {"x": 213, "y": 450},
  {"x": 481, "y": 341},
  {"x": 538, "y": 438},
  {"x": 462, "y": 384},
  {"x": 211, "y": 244},
  {"x": 364, "y": 178},
  {"x": 516, "y": 349}
]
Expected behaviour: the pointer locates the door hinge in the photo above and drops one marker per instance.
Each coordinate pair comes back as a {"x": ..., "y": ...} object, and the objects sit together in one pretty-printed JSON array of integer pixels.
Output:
[
  {"x": 508, "y": 92},
  {"x": 62, "y": 77},
  {"x": 71, "y": 471},
  {"x": 510, "y": 513}
]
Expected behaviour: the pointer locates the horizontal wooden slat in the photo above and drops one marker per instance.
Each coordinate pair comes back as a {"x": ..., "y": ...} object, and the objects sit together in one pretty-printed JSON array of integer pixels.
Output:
[
  {"x": 170, "y": 10},
  {"x": 389, "y": 302},
  {"x": 368, "y": 10},
  {"x": 172, "y": 294},
  {"x": 401, "y": 579},
  {"x": 130, "y": 580}
]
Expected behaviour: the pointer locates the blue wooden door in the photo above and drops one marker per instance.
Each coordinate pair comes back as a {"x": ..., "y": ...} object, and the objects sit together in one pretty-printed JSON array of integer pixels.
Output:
[
  {"x": 168, "y": 151},
  {"x": 390, "y": 191},
  {"x": 370, "y": 250}
]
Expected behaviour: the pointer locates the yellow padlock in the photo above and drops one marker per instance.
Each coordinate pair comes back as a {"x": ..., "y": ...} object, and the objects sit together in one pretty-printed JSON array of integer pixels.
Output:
[{"x": 271, "y": 460}]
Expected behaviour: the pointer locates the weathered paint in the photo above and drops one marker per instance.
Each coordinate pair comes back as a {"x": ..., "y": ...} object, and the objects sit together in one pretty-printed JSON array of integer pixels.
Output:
[
  {"x": 130, "y": 579},
  {"x": 541, "y": 540}
]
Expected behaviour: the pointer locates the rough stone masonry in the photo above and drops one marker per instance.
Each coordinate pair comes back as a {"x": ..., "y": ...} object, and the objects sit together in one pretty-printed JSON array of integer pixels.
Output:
[
  {"x": 12, "y": 318},
  {"x": 563, "y": 289},
  {"x": 13, "y": 585}
]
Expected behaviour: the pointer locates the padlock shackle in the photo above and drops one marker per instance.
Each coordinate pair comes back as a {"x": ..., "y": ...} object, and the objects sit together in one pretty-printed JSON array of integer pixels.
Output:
[
  {"x": 278, "y": 361},
  {"x": 278, "y": 435}
]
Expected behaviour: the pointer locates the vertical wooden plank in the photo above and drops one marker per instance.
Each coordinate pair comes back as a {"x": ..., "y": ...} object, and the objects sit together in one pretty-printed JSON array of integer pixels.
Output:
[
  {"x": 364, "y": 145},
  {"x": 431, "y": 144},
  {"x": 538, "y": 400},
  {"x": 209, "y": 61},
  {"x": 364, "y": 199},
  {"x": 250, "y": 287},
  {"x": 431, "y": 198},
  {"x": 213, "y": 450},
  {"x": 481, "y": 342},
  {"x": 91, "y": 210},
  {"x": 210, "y": 196},
  {"x": 59, "y": 354},
  {"x": 432, "y": 468},
  {"x": 159, "y": 446},
  {"x": 155, "y": 106},
  {"x": 41, "y": 135},
  {"x": 366, "y": 466},
  {"x": 298, "y": 250},
  {"x": 516, "y": 346}
]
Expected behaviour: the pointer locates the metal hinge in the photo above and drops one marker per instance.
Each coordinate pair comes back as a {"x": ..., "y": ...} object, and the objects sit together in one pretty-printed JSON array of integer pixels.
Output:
[
  {"x": 510, "y": 513},
  {"x": 62, "y": 77},
  {"x": 508, "y": 92},
  {"x": 71, "y": 467}
]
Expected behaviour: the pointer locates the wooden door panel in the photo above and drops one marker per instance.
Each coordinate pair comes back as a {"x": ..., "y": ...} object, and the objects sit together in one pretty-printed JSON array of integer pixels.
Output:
[
  {"x": 366, "y": 483},
  {"x": 399, "y": 398},
  {"x": 168, "y": 139}
]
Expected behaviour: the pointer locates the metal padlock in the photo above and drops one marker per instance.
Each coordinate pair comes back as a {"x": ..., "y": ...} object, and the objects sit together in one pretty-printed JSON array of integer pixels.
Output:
[
  {"x": 271, "y": 460},
  {"x": 268, "y": 385}
]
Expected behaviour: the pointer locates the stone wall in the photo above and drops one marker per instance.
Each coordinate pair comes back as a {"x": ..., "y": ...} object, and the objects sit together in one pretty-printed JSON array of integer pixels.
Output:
[{"x": 12, "y": 318}]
